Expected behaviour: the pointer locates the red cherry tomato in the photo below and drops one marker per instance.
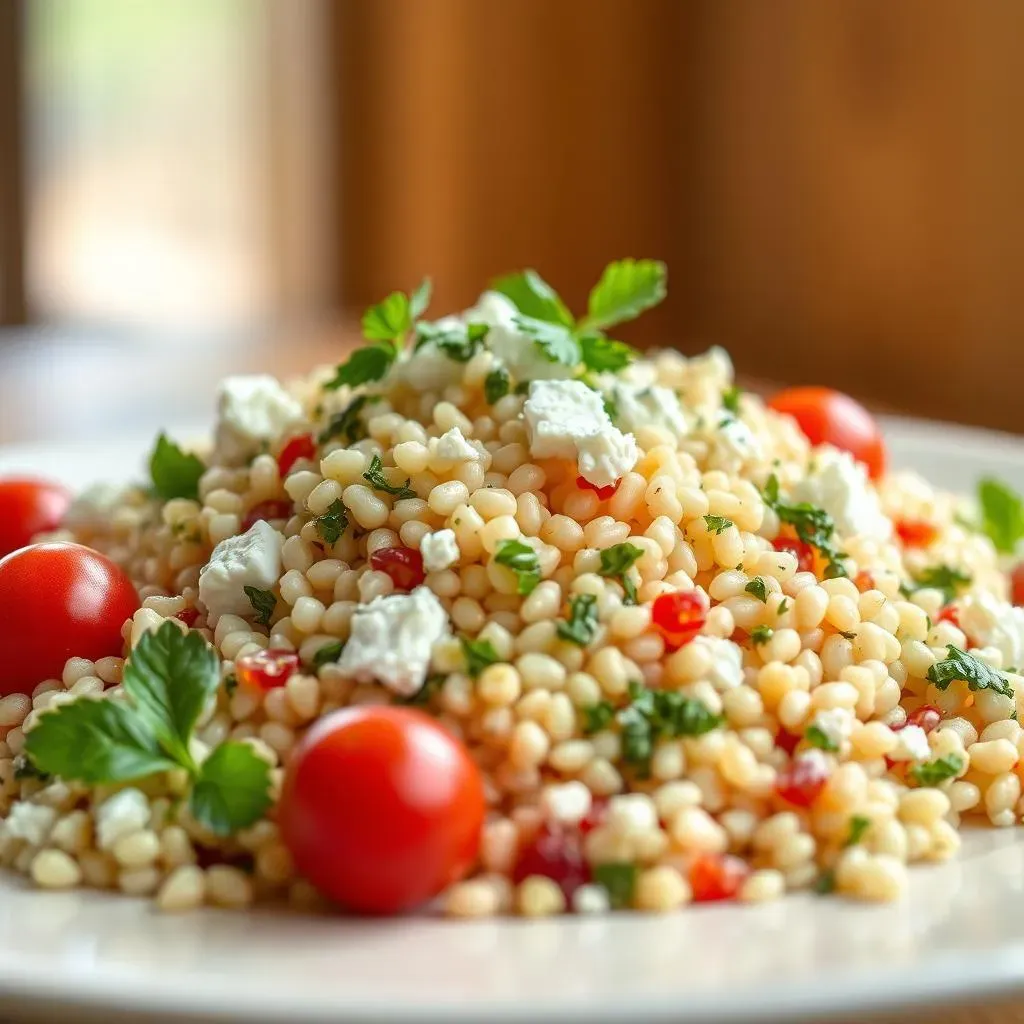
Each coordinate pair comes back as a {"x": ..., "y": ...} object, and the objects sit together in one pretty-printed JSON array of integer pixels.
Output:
[
  {"x": 800, "y": 549},
  {"x": 301, "y": 447},
  {"x": 58, "y": 601},
  {"x": 604, "y": 493},
  {"x": 28, "y": 507},
  {"x": 715, "y": 876},
  {"x": 403, "y": 565},
  {"x": 679, "y": 616},
  {"x": 916, "y": 533},
  {"x": 830, "y": 417},
  {"x": 1017, "y": 584},
  {"x": 381, "y": 808},
  {"x": 275, "y": 508},
  {"x": 266, "y": 670},
  {"x": 802, "y": 780},
  {"x": 555, "y": 853}
]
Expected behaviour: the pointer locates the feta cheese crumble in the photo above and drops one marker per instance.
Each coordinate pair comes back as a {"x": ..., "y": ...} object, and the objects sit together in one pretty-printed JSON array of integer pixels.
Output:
[
  {"x": 653, "y": 405},
  {"x": 732, "y": 444},
  {"x": 252, "y": 411},
  {"x": 391, "y": 640},
  {"x": 839, "y": 485},
  {"x": 121, "y": 815},
  {"x": 252, "y": 559},
  {"x": 989, "y": 622},
  {"x": 440, "y": 550},
  {"x": 835, "y": 724},
  {"x": 31, "y": 822},
  {"x": 911, "y": 745},
  {"x": 452, "y": 446},
  {"x": 726, "y": 672},
  {"x": 567, "y": 420}
]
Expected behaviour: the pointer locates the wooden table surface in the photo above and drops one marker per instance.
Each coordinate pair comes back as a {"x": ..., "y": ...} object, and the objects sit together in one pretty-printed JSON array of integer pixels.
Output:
[{"x": 57, "y": 385}]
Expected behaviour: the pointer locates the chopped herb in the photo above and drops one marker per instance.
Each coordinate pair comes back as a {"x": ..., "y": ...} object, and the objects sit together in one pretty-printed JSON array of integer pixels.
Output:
[
  {"x": 231, "y": 684},
  {"x": 826, "y": 883},
  {"x": 717, "y": 524},
  {"x": 931, "y": 773},
  {"x": 817, "y": 737},
  {"x": 333, "y": 523},
  {"x": 522, "y": 388},
  {"x": 175, "y": 473},
  {"x": 263, "y": 604},
  {"x": 602, "y": 355},
  {"x": 783, "y": 606},
  {"x": 598, "y": 716},
  {"x": 858, "y": 826},
  {"x": 523, "y": 561},
  {"x": 627, "y": 287},
  {"x": 348, "y": 423},
  {"x": 379, "y": 482},
  {"x": 960, "y": 665},
  {"x": 611, "y": 407},
  {"x": 554, "y": 341},
  {"x": 813, "y": 526},
  {"x": 459, "y": 342},
  {"x": 496, "y": 385},
  {"x": 25, "y": 769},
  {"x": 422, "y": 696},
  {"x": 328, "y": 654},
  {"x": 849, "y": 634},
  {"x": 616, "y": 561},
  {"x": 619, "y": 879},
  {"x": 364, "y": 366},
  {"x": 478, "y": 654},
  {"x": 533, "y": 296},
  {"x": 731, "y": 400},
  {"x": 1002, "y": 514},
  {"x": 758, "y": 588},
  {"x": 946, "y": 578},
  {"x": 761, "y": 634},
  {"x": 582, "y": 625}
]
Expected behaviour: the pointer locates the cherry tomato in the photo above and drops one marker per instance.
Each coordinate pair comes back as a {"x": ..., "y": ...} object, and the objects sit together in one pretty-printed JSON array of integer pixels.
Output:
[
  {"x": 381, "y": 808},
  {"x": 301, "y": 447},
  {"x": 58, "y": 601},
  {"x": 679, "y": 616},
  {"x": 830, "y": 417},
  {"x": 716, "y": 876},
  {"x": 266, "y": 670},
  {"x": 604, "y": 493},
  {"x": 916, "y": 533},
  {"x": 28, "y": 507},
  {"x": 1017, "y": 584},
  {"x": 799, "y": 549},
  {"x": 403, "y": 565}
]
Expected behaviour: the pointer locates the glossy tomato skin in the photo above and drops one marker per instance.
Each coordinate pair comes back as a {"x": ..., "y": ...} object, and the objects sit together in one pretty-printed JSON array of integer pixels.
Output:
[
  {"x": 1017, "y": 584},
  {"x": 830, "y": 417},
  {"x": 381, "y": 808},
  {"x": 58, "y": 601},
  {"x": 28, "y": 507}
]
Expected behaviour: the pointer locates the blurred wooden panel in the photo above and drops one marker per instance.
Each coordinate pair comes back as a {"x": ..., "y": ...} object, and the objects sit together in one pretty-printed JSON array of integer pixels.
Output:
[{"x": 12, "y": 284}]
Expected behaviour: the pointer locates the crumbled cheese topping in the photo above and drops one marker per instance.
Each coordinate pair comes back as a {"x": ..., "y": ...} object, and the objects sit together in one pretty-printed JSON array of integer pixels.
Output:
[
  {"x": 31, "y": 822},
  {"x": 440, "y": 550},
  {"x": 252, "y": 411},
  {"x": 840, "y": 486},
  {"x": 452, "y": 446},
  {"x": 251, "y": 559},
  {"x": 911, "y": 745},
  {"x": 726, "y": 671},
  {"x": 733, "y": 443},
  {"x": 989, "y": 622},
  {"x": 836, "y": 724},
  {"x": 651, "y": 405},
  {"x": 123, "y": 814}
]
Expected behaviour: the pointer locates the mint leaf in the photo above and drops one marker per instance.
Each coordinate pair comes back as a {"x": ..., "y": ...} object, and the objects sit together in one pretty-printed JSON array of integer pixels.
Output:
[
  {"x": 171, "y": 676},
  {"x": 601, "y": 354},
  {"x": 627, "y": 287},
  {"x": 1002, "y": 514},
  {"x": 533, "y": 297},
  {"x": 931, "y": 773},
  {"x": 619, "y": 879},
  {"x": 478, "y": 654},
  {"x": 263, "y": 604},
  {"x": 496, "y": 385},
  {"x": 960, "y": 665},
  {"x": 328, "y": 654},
  {"x": 616, "y": 562},
  {"x": 95, "y": 740},
  {"x": 366, "y": 364},
  {"x": 175, "y": 473},
  {"x": 348, "y": 423},
  {"x": 717, "y": 524},
  {"x": 758, "y": 588},
  {"x": 232, "y": 790},
  {"x": 377, "y": 479},
  {"x": 523, "y": 561},
  {"x": 333, "y": 523},
  {"x": 582, "y": 625},
  {"x": 556, "y": 343}
]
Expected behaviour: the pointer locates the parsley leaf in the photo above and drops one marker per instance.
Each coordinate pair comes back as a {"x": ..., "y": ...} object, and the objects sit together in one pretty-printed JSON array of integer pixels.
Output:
[
  {"x": 1002, "y": 514},
  {"x": 555, "y": 342},
  {"x": 25, "y": 769},
  {"x": 717, "y": 524},
  {"x": 858, "y": 826},
  {"x": 656, "y": 714},
  {"x": 496, "y": 385},
  {"x": 459, "y": 342},
  {"x": 817, "y": 737},
  {"x": 478, "y": 654},
  {"x": 960, "y": 665},
  {"x": 619, "y": 879},
  {"x": 598, "y": 716},
  {"x": 848, "y": 634},
  {"x": 761, "y": 634},
  {"x": 366, "y": 364},
  {"x": 328, "y": 654},
  {"x": 422, "y": 696},
  {"x": 601, "y": 354},
  {"x": 731, "y": 400},
  {"x": 523, "y": 561},
  {"x": 379, "y": 482},
  {"x": 931, "y": 773},
  {"x": 946, "y": 578},
  {"x": 616, "y": 562},
  {"x": 232, "y": 789},
  {"x": 627, "y": 287},
  {"x": 758, "y": 588},
  {"x": 533, "y": 297},
  {"x": 611, "y": 407},
  {"x": 263, "y": 604},
  {"x": 582, "y": 625},
  {"x": 347, "y": 423},
  {"x": 813, "y": 526},
  {"x": 333, "y": 523},
  {"x": 391, "y": 318},
  {"x": 175, "y": 473},
  {"x": 420, "y": 299}
]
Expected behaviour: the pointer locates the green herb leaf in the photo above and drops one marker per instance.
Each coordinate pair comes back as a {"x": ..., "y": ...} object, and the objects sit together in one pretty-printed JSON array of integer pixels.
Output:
[
  {"x": 25, "y": 769},
  {"x": 95, "y": 741},
  {"x": 619, "y": 879},
  {"x": 717, "y": 524},
  {"x": 813, "y": 526},
  {"x": 171, "y": 676},
  {"x": 478, "y": 654},
  {"x": 598, "y": 716},
  {"x": 231, "y": 684},
  {"x": 390, "y": 319},
  {"x": 232, "y": 790},
  {"x": 783, "y": 606},
  {"x": 758, "y": 588},
  {"x": 523, "y": 561},
  {"x": 263, "y": 604},
  {"x": 348, "y": 423},
  {"x": 960, "y": 665},
  {"x": 761, "y": 634},
  {"x": 582, "y": 625},
  {"x": 366, "y": 364},
  {"x": 627, "y": 287},
  {"x": 496, "y": 385},
  {"x": 931, "y": 773},
  {"x": 420, "y": 299},
  {"x": 858, "y": 826},
  {"x": 826, "y": 883},
  {"x": 731, "y": 400},
  {"x": 848, "y": 634},
  {"x": 556, "y": 343},
  {"x": 328, "y": 654},
  {"x": 817, "y": 737},
  {"x": 611, "y": 407},
  {"x": 333, "y": 523},
  {"x": 379, "y": 482},
  {"x": 602, "y": 355},
  {"x": 1002, "y": 514},
  {"x": 458, "y": 342},
  {"x": 946, "y": 578},
  {"x": 616, "y": 561},
  {"x": 175, "y": 473},
  {"x": 533, "y": 297}
]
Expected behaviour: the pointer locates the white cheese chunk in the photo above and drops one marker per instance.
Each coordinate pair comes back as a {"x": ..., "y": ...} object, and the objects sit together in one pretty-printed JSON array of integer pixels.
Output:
[
  {"x": 649, "y": 406},
  {"x": 726, "y": 672},
  {"x": 835, "y": 724},
  {"x": 989, "y": 622},
  {"x": 440, "y": 550},
  {"x": 733, "y": 443},
  {"x": 452, "y": 446},
  {"x": 911, "y": 745},
  {"x": 840, "y": 486},
  {"x": 123, "y": 814},
  {"x": 252, "y": 559},
  {"x": 251, "y": 412},
  {"x": 391, "y": 640},
  {"x": 31, "y": 822},
  {"x": 567, "y": 420}
]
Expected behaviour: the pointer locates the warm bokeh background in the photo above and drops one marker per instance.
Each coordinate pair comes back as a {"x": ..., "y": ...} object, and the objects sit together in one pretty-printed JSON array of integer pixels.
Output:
[{"x": 837, "y": 187}]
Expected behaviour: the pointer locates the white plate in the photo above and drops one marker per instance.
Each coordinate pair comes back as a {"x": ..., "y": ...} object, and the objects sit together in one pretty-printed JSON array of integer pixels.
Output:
[{"x": 957, "y": 935}]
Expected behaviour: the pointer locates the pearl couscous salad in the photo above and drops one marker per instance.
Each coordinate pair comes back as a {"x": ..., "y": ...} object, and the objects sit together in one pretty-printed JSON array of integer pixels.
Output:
[{"x": 500, "y": 617}]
